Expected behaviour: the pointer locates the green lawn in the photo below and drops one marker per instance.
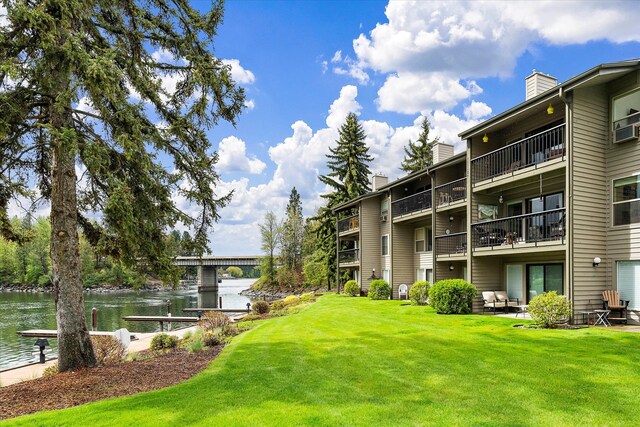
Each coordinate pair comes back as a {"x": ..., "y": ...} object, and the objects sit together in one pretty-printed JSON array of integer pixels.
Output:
[{"x": 352, "y": 361}]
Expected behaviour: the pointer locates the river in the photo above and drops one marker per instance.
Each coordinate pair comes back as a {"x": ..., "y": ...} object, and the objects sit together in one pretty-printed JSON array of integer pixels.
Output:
[{"x": 21, "y": 311}]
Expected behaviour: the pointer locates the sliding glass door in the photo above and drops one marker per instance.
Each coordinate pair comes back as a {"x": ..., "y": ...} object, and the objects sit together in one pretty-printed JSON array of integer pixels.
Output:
[{"x": 543, "y": 278}]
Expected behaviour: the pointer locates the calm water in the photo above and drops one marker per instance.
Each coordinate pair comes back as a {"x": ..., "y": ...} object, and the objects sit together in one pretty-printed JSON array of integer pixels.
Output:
[{"x": 22, "y": 311}]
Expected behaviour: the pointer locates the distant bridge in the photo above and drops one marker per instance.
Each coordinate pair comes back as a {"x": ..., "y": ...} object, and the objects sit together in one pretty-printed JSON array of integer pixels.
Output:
[{"x": 208, "y": 267}]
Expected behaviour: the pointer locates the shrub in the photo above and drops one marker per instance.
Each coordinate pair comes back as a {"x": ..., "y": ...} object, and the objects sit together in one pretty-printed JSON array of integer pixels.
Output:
[
  {"x": 108, "y": 349},
  {"x": 164, "y": 342},
  {"x": 195, "y": 346},
  {"x": 309, "y": 297},
  {"x": 419, "y": 292},
  {"x": 251, "y": 317},
  {"x": 453, "y": 296},
  {"x": 51, "y": 370},
  {"x": 277, "y": 305},
  {"x": 352, "y": 288},
  {"x": 549, "y": 309},
  {"x": 211, "y": 339},
  {"x": 291, "y": 300},
  {"x": 212, "y": 320},
  {"x": 260, "y": 307},
  {"x": 379, "y": 289}
]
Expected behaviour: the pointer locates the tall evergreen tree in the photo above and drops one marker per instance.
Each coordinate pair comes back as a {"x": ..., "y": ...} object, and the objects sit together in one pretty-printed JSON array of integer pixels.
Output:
[
  {"x": 419, "y": 155},
  {"x": 348, "y": 177},
  {"x": 82, "y": 86},
  {"x": 292, "y": 233}
]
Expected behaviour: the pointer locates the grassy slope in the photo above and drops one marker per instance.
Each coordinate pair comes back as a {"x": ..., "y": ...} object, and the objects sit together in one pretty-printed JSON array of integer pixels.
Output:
[{"x": 350, "y": 361}]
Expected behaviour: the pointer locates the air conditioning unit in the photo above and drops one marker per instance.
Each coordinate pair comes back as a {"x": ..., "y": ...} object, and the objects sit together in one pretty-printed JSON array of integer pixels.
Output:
[
  {"x": 383, "y": 218},
  {"x": 626, "y": 133}
]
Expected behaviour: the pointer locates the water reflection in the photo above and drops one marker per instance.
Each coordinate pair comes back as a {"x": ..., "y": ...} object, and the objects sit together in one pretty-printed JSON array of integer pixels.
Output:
[{"x": 23, "y": 311}]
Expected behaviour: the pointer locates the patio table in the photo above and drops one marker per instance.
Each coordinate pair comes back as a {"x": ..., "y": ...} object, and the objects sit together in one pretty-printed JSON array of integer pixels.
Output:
[{"x": 602, "y": 318}]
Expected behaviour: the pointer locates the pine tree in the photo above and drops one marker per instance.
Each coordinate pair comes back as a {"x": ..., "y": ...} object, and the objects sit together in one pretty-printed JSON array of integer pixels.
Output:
[
  {"x": 349, "y": 178},
  {"x": 292, "y": 234},
  {"x": 81, "y": 88},
  {"x": 419, "y": 155}
]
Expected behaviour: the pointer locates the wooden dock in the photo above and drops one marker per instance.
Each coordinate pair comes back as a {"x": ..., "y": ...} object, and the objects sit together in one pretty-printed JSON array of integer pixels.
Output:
[
  {"x": 220, "y": 310},
  {"x": 161, "y": 319},
  {"x": 52, "y": 333}
]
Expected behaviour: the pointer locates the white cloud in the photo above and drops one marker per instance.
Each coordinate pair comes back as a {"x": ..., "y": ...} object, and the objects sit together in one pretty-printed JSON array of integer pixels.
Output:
[
  {"x": 337, "y": 57},
  {"x": 324, "y": 65},
  {"x": 238, "y": 73},
  {"x": 232, "y": 153},
  {"x": 476, "y": 110},
  {"x": 348, "y": 67},
  {"x": 84, "y": 104},
  {"x": 250, "y": 104},
  {"x": 3, "y": 17},
  {"x": 454, "y": 43},
  {"x": 342, "y": 106}
]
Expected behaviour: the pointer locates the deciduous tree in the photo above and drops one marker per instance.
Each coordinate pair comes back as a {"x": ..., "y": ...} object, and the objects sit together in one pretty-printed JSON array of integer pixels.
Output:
[{"x": 104, "y": 106}]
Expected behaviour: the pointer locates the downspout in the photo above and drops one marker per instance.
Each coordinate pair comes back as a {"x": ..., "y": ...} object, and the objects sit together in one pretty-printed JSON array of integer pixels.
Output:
[
  {"x": 390, "y": 220},
  {"x": 569, "y": 186},
  {"x": 337, "y": 258}
]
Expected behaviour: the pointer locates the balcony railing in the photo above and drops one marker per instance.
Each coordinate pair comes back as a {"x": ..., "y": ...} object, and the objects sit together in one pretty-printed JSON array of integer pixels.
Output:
[
  {"x": 531, "y": 228},
  {"x": 348, "y": 224},
  {"x": 451, "y": 244},
  {"x": 348, "y": 256},
  {"x": 530, "y": 151},
  {"x": 451, "y": 192},
  {"x": 413, "y": 203}
]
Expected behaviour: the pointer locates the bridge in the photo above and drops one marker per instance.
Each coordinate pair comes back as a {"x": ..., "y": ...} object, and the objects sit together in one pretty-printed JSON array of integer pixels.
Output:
[{"x": 208, "y": 267}]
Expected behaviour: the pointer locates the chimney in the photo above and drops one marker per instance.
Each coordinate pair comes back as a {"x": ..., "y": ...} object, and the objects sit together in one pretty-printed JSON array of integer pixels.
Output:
[
  {"x": 378, "y": 181},
  {"x": 539, "y": 82},
  {"x": 442, "y": 152}
]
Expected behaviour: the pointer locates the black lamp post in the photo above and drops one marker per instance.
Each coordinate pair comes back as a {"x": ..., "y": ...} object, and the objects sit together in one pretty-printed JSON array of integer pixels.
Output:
[{"x": 42, "y": 343}]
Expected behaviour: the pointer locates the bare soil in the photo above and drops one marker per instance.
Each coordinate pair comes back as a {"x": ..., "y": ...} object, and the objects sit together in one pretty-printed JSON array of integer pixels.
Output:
[{"x": 69, "y": 389}]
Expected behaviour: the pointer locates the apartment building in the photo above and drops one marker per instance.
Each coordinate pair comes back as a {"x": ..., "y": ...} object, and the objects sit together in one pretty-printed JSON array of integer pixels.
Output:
[{"x": 545, "y": 197}]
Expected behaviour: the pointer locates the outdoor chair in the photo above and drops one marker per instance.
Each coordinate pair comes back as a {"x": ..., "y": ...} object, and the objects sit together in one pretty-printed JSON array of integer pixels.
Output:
[
  {"x": 611, "y": 301},
  {"x": 402, "y": 291},
  {"x": 491, "y": 302},
  {"x": 508, "y": 302}
]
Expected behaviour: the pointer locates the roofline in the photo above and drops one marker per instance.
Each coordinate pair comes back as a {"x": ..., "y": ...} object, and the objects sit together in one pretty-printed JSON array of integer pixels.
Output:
[
  {"x": 448, "y": 162},
  {"x": 356, "y": 200},
  {"x": 412, "y": 175},
  {"x": 549, "y": 94}
]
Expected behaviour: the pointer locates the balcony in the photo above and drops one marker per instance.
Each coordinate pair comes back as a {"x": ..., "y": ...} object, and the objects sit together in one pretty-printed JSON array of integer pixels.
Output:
[
  {"x": 348, "y": 224},
  {"x": 451, "y": 245},
  {"x": 414, "y": 203},
  {"x": 451, "y": 192},
  {"x": 349, "y": 256},
  {"x": 528, "y": 230},
  {"x": 531, "y": 151}
]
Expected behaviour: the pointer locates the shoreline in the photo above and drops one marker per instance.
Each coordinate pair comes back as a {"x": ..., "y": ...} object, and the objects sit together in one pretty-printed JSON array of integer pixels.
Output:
[
  {"x": 276, "y": 294},
  {"x": 34, "y": 289}
]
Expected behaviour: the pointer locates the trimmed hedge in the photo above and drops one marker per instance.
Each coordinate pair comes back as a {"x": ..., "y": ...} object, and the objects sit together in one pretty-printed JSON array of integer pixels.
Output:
[
  {"x": 352, "y": 288},
  {"x": 452, "y": 296},
  {"x": 379, "y": 289},
  {"x": 419, "y": 292}
]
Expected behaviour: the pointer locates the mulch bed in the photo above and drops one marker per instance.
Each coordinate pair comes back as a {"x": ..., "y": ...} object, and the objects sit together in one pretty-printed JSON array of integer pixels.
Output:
[{"x": 87, "y": 385}]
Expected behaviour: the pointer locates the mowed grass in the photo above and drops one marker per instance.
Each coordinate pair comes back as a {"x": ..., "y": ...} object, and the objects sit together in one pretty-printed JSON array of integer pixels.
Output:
[{"x": 352, "y": 361}]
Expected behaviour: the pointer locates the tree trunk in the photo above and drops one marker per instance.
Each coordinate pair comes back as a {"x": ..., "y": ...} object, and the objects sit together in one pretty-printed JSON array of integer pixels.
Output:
[{"x": 74, "y": 343}]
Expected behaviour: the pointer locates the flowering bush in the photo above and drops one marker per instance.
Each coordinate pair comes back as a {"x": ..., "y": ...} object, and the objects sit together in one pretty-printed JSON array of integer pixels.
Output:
[{"x": 549, "y": 309}]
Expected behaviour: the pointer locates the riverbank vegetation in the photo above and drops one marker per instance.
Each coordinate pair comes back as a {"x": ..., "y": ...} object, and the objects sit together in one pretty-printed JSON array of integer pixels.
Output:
[
  {"x": 354, "y": 361},
  {"x": 27, "y": 263}
]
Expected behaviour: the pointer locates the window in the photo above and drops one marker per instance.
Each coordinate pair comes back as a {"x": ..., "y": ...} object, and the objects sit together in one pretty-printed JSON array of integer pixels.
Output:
[
  {"x": 423, "y": 239},
  {"x": 385, "y": 244},
  {"x": 626, "y": 200},
  {"x": 420, "y": 240},
  {"x": 420, "y": 274},
  {"x": 430, "y": 276},
  {"x": 625, "y": 114},
  {"x": 386, "y": 275},
  {"x": 543, "y": 278},
  {"x": 629, "y": 282},
  {"x": 384, "y": 206}
]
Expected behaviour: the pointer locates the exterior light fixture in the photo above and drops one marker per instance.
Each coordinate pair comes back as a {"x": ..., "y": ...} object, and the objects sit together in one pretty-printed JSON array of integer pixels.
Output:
[
  {"x": 451, "y": 267},
  {"x": 451, "y": 218},
  {"x": 485, "y": 138},
  {"x": 550, "y": 109},
  {"x": 596, "y": 261},
  {"x": 501, "y": 200},
  {"x": 41, "y": 343},
  {"x": 373, "y": 274}
]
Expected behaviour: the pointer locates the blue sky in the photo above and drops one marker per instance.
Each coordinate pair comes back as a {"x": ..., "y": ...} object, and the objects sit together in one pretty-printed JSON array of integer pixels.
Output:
[{"x": 306, "y": 64}]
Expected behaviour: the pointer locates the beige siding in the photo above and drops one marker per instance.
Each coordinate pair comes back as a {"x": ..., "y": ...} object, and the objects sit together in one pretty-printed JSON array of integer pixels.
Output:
[
  {"x": 487, "y": 276},
  {"x": 623, "y": 242},
  {"x": 369, "y": 240},
  {"x": 589, "y": 209},
  {"x": 403, "y": 250}
]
